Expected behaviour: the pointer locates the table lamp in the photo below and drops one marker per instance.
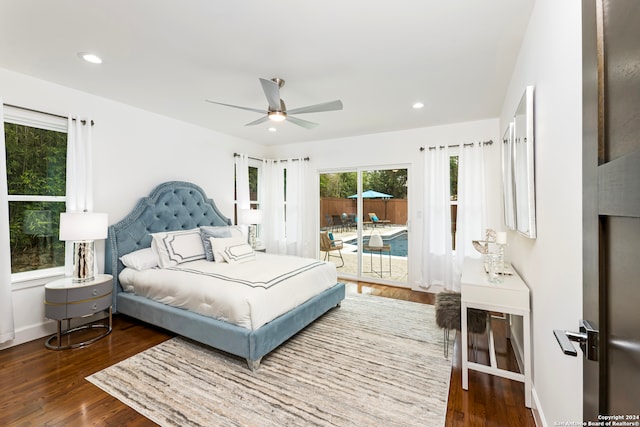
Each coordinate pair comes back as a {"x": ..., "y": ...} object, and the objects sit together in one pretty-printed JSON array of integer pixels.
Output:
[
  {"x": 82, "y": 228},
  {"x": 250, "y": 217}
]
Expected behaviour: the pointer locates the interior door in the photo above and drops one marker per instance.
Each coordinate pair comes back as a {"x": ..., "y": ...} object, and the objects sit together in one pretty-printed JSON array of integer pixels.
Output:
[{"x": 611, "y": 190}]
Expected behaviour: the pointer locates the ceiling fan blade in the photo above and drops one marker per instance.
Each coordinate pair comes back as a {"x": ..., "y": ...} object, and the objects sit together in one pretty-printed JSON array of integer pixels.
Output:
[
  {"x": 255, "y": 110},
  {"x": 304, "y": 123},
  {"x": 272, "y": 92},
  {"x": 257, "y": 122},
  {"x": 325, "y": 106}
]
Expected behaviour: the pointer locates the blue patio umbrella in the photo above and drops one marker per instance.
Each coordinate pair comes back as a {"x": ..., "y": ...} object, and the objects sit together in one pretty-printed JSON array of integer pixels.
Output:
[{"x": 372, "y": 194}]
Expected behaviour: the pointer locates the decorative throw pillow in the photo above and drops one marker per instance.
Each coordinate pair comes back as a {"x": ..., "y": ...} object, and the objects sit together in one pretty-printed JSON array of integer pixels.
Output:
[
  {"x": 212, "y": 231},
  {"x": 238, "y": 253},
  {"x": 141, "y": 259},
  {"x": 176, "y": 247},
  {"x": 374, "y": 218},
  {"x": 218, "y": 245}
]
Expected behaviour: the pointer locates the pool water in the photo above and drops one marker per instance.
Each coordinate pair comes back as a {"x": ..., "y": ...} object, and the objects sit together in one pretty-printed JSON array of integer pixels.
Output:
[{"x": 397, "y": 242}]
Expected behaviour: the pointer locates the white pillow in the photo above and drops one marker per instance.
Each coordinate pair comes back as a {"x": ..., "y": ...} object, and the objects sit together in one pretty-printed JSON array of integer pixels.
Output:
[
  {"x": 238, "y": 253},
  {"x": 219, "y": 244},
  {"x": 176, "y": 247},
  {"x": 141, "y": 259}
]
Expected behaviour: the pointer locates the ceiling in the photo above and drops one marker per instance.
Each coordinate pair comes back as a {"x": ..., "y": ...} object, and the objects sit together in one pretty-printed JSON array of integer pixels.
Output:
[{"x": 168, "y": 56}]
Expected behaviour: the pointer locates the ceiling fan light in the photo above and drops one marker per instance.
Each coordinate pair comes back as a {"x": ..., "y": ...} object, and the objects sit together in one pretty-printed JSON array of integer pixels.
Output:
[{"x": 277, "y": 116}]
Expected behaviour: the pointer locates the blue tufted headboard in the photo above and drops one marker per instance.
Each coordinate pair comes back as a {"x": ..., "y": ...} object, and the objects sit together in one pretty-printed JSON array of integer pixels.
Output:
[{"x": 171, "y": 206}]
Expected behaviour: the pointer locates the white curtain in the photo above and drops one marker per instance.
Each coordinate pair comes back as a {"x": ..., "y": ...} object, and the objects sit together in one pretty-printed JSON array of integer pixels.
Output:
[
  {"x": 79, "y": 191},
  {"x": 272, "y": 202},
  {"x": 7, "y": 331},
  {"x": 242, "y": 182},
  {"x": 295, "y": 208},
  {"x": 243, "y": 199},
  {"x": 472, "y": 216},
  {"x": 437, "y": 258}
]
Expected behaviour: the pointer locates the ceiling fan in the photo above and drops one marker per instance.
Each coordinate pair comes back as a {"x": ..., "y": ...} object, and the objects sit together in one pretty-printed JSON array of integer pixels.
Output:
[{"x": 277, "y": 110}]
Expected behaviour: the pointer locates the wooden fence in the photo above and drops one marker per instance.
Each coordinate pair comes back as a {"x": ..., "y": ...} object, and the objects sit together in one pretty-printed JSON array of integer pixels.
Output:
[{"x": 395, "y": 210}]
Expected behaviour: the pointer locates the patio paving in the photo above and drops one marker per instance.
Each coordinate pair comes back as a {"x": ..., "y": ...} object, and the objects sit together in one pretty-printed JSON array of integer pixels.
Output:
[{"x": 350, "y": 255}]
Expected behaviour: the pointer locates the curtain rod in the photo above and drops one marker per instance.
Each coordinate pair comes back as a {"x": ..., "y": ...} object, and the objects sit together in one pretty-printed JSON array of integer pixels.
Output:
[
  {"x": 470, "y": 144},
  {"x": 306, "y": 159},
  {"x": 84, "y": 122}
]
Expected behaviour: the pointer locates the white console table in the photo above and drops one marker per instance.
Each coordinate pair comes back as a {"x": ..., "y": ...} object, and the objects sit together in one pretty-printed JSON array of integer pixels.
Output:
[{"x": 511, "y": 296}]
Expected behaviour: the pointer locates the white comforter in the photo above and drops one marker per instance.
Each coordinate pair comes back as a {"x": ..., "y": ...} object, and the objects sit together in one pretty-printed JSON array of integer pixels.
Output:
[{"x": 248, "y": 294}]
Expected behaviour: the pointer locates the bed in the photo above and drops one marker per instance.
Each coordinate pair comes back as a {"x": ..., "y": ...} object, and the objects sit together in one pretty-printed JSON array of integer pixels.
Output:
[{"x": 174, "y": 206}]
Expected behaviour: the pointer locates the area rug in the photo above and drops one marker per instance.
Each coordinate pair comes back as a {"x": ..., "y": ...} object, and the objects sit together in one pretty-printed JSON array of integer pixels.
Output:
[{"x": 372, "y": 362}]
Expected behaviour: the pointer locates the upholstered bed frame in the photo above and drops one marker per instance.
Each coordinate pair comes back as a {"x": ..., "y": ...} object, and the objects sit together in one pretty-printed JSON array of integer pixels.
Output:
[{"x": 180, "y": 206}]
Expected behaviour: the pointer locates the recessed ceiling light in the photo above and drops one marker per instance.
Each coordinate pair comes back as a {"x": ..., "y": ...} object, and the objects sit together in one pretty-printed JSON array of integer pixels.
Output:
[
  {"x": 90, "y": 57},
  {"x": 272, "y": 129},
  {"x": 418, "y": 105}
]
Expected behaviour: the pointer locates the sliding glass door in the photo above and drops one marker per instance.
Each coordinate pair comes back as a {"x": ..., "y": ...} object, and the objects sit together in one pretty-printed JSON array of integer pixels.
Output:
[{"x": 363, "y": 223}]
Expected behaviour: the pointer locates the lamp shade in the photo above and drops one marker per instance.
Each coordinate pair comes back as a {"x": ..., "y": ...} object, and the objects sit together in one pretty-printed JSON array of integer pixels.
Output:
[
  {"x": 78, "y": 226},
  {"x": 250, "y": 216}
]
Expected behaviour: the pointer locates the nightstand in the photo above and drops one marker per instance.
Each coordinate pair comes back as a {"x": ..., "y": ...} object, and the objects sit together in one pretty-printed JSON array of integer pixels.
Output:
[{"x": 66, "y": 299}]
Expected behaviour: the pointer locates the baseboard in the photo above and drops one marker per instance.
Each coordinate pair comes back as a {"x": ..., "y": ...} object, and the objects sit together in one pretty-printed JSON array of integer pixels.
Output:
[
  {"x": 536, "y": 409},
  {"x": 30, "y": 333},
  {"x": 48, "y": 327}
]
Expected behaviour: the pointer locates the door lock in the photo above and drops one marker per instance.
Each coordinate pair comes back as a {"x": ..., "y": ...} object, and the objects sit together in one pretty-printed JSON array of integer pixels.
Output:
[{"x": 587, "y": 337}]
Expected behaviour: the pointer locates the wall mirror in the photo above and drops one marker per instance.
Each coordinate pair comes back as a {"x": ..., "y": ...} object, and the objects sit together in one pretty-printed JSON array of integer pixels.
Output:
[
  {"x": 508, "y": 198},
  {"x": 523, "y": 166}
]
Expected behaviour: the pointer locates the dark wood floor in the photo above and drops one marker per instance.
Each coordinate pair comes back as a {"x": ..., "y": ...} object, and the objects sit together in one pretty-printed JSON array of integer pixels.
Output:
[{"x": 40, "y": 387}]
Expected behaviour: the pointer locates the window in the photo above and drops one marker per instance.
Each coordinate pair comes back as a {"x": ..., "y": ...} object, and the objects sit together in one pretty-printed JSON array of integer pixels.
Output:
[
  {"x": 253, "y": 187},
  {"x": 36, "y": 149},
  {"x": 254, "y": 193},
  {"x": 453, "y": 179}
]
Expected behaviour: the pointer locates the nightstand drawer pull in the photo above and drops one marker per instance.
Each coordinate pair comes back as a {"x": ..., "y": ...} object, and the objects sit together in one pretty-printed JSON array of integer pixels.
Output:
[
  {"x": 95, "y": 306},
  {"x": 94, "y": 292}
]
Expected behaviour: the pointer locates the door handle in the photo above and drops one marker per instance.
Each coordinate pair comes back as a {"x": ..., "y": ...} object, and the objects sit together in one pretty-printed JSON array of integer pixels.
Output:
[{"x": 587, "y": 337}]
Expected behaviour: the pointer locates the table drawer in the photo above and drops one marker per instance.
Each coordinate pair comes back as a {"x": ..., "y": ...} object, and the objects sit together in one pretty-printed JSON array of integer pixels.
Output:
[
  {"x": 57, "y": 296},
  {"x": 89, "y": 292},
  {"x": 55, "y": 311},
  {"x": 88, "y": 307}
]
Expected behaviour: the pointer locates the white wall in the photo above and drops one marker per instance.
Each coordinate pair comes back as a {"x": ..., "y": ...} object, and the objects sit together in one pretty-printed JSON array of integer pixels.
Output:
[
  {"x": 134, "y": 150},
  {"x": 402, "y": 149},
  {"x": 551, "y": 265}
]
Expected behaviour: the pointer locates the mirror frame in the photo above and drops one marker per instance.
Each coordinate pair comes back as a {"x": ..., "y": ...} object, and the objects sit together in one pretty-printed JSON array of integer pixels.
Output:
[
  {"x": 508, "y": 194},
  {"x": 523, "y": 165}
]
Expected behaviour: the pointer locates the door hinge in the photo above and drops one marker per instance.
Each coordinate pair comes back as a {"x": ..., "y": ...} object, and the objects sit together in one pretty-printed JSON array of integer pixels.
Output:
[{"x": 587, "y": 337}]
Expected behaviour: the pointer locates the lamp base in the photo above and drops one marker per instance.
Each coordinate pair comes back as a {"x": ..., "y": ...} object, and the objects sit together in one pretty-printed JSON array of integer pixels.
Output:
[
  {"x": 83, "y": 261},
  {"x": 252, "y": 236}
]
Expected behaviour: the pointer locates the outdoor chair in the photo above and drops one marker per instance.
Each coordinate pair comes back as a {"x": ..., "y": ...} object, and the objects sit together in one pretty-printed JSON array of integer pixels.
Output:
[
  {"x": 329, "y": 221},
  {"x": 338, "y": 225},
  {"x": 352, "y": 221},
  {"x": 328, "y": 245},
  {"x": 375, "y": 220}
]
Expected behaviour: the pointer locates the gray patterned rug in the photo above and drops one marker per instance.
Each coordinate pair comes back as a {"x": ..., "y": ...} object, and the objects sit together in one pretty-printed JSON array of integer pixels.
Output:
[{"x": 373, "y": 362}]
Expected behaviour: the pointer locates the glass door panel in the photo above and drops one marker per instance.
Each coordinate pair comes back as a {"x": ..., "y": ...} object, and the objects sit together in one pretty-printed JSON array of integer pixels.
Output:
[
  {"x": 365, "y": 232},
  {"x": 384, "y": 248},
  {"x": 338, "y": 221}
]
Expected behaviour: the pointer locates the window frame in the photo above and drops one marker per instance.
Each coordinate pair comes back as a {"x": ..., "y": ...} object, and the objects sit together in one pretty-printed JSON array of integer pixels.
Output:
[{"x": 34, "y": 119}]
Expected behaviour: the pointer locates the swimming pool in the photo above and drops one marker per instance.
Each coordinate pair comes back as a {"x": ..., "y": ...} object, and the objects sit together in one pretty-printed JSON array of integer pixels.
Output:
[{"x": 397, "y": 242}]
